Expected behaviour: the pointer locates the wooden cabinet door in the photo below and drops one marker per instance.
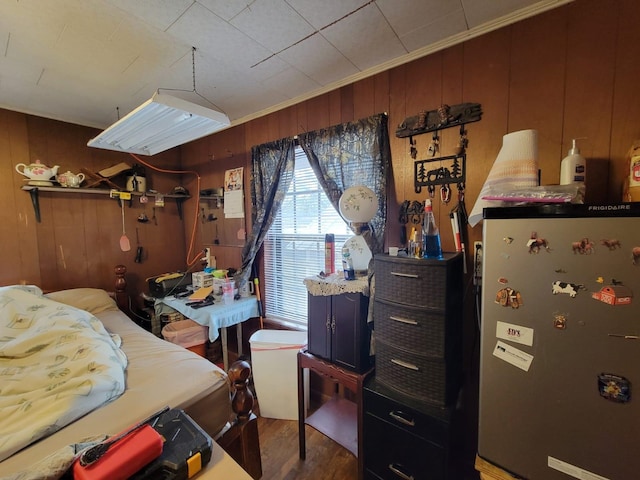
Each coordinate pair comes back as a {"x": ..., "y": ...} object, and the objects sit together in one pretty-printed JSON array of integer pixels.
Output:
[
  {"x": 319, "y": 326},
  {"x": 350, "y": 339}
]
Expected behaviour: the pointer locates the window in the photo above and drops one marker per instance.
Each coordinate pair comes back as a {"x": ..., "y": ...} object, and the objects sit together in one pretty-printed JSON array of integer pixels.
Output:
[{"x": 294, "y": 247}]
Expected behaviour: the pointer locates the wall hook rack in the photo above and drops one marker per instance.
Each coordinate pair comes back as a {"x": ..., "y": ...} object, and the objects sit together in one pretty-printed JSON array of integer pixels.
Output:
[{"x": 445, "y": 116}]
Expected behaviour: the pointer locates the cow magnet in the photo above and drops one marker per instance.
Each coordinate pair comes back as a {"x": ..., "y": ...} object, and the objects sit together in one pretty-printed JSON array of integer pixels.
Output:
[
  {"x": 614, "y": 387},
  {"x": 571, "y": 289}
]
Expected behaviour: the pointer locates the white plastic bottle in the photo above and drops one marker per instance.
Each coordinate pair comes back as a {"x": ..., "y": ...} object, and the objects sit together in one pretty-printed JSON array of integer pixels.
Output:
[{"x": 573, "y": 167}]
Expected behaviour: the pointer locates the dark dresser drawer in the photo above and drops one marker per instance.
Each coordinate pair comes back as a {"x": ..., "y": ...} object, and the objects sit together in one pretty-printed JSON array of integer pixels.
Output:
[
  {"x": 411, "y": 328},
  {"x": 396, "y": 454},
  {"x": 404, "y": 435},
  {"x": 419, "y": 283},
  {"x": 429, "y": 379}
]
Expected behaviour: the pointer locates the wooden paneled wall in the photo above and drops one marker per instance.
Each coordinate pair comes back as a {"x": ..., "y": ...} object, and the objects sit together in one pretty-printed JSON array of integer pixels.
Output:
[
  {"x": 77, "y": 242},
  {"x": 570, "y": 72}
]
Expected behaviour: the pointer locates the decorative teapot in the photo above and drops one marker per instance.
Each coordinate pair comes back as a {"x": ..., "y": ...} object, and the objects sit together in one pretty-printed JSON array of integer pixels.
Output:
[
  {"x": 68, "y": 179},
  {"x": 37, "y": 172}
]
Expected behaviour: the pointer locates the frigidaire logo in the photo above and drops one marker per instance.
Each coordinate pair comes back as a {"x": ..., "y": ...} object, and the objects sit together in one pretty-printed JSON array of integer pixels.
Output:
[{"x": 601, "y": 208}]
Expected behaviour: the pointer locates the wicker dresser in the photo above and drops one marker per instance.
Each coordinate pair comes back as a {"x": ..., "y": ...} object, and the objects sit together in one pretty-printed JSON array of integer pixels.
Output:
[
  {"x": 409, "y": 405},
  {"x": 418, "y": 324}
]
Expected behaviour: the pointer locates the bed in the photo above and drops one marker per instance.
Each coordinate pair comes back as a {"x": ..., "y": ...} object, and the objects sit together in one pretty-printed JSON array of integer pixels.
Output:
[{"x": 152, "y": 376}]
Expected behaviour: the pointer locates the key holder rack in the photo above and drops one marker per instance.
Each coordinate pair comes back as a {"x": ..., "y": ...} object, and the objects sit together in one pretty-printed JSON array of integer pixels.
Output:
[{"x": 452, "y": 168}]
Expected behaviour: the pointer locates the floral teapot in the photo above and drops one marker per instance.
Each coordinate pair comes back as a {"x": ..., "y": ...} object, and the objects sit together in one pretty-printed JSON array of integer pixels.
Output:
[
  {"x": 37, "y": 172},
  {"x": 69, "y": 179}
]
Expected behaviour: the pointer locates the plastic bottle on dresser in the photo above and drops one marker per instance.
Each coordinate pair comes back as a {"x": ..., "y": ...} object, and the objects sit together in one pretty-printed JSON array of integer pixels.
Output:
[
  {"x": 430, "y": 234},
  {"x": 573, "y": 167},
  {"x": 329, "y": 254},
  {"x": 347, "y": 264}
]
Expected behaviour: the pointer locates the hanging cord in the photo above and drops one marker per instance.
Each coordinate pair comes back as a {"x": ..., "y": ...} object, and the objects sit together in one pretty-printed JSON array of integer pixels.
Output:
[
  {"x": 193, "y": 73},
  {"x": 191, "y": 257}
]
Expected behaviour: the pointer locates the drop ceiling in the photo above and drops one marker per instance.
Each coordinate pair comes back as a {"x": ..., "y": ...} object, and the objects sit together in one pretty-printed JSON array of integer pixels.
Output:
[{"x": 91, "y": 61}]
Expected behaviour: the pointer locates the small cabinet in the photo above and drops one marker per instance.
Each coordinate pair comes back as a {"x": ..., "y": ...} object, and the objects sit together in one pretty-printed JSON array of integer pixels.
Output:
[{"x": 338, "y": 330}]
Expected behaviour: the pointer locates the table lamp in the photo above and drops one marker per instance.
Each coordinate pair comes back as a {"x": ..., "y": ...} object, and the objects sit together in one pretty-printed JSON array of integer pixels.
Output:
[{"x": 358, "y": 205}]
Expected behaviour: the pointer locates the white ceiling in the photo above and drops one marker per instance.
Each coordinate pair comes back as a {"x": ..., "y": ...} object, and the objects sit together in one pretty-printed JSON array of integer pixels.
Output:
[{"x": 90, "y": 61}]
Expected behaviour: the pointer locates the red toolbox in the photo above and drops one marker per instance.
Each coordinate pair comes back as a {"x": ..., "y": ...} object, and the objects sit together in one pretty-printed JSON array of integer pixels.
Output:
[{"x": 186, "y": 450}]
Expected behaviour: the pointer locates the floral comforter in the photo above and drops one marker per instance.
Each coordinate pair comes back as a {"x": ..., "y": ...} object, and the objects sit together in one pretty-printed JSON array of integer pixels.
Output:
[{"x": 57, "y": 363}]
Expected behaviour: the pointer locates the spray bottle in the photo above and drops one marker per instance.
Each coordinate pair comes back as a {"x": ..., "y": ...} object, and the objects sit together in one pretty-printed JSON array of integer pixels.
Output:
[{"x": 573, "y": 167}]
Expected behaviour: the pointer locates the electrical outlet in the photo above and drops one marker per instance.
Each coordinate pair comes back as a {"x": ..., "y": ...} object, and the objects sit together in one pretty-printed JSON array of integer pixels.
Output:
[{"x": 477, "y": 263}]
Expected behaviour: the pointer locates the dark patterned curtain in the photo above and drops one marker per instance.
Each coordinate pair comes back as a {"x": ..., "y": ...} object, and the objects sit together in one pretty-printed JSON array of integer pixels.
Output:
[
  {"x": 355, "y": 153},
  {"x": 272, "y": 167}
]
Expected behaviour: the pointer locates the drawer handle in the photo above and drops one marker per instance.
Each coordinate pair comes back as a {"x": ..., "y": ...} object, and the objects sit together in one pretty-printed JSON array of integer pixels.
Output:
[
  {"x": 397, "y": 469},
  {"x": 398, "y": 417},
  {"x": 408, "y": 365},
  {"x": 403, "y": 320},
  {"x": 408, "y": 275}
]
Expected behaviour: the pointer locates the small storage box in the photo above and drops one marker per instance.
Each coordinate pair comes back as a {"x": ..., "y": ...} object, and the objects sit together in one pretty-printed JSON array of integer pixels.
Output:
[
  {"x": 187, "y": 448},
  {"x": 201, "y": 280},
  {"x": 187, "y": 334}
]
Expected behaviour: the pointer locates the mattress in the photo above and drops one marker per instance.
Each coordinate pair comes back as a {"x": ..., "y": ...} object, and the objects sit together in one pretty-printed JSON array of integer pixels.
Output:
[{"x": 159, "y": 374}]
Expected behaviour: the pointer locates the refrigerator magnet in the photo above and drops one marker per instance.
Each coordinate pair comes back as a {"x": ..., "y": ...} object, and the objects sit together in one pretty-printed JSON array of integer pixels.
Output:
[
  {"x": 560, "y": 321},
  {"x": 584, "y": 246},
  {"x": 571, "y": 289},
  {"x": 512, "y": 355},
  {"x": 614, "y": 294},
  {"x": 535, "y": 243},
  {"x": 514, "y": 333},
  {"x": 614, "y": 388}
]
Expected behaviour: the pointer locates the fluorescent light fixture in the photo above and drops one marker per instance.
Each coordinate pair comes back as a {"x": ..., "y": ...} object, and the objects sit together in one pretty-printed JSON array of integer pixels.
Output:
[{"x": 161, "y": 123}]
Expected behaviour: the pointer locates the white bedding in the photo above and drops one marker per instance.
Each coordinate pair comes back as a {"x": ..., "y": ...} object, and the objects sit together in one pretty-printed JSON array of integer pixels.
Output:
[
  {"x": 158, "y": 374},
  {"x": 57, "y": 363}
]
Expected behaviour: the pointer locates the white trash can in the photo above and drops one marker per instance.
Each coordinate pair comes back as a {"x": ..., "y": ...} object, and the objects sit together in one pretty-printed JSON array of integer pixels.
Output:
[{"x": 274, "y": 362}]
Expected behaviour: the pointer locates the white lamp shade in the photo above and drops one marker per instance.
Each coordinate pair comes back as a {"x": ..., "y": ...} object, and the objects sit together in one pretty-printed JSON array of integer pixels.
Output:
[{"x": 358, "y": 204}]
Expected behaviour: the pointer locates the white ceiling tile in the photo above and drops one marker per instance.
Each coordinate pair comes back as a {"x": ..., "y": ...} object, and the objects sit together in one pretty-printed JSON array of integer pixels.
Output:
[
  {"x": 290, "y": 83},
  {"x": 365, "y": 38},
  {"x": 226, "y": 9},
  {"x": 206, "y": 31},
  {"x": 405, "y": 16},
  {"x": 159, "y": 13},
  {"x": 319, "y": 60},
  {"x": 80, "y": 60},
  {"x": 321, "y": 15},
  {"x": 482, "y": 11},
  {"x": 428, "y": 34},
  {"x": 273, "y": 24}
]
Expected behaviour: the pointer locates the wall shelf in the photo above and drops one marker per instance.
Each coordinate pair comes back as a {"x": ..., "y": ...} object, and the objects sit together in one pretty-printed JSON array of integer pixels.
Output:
[{"x": 34, "y": 191}]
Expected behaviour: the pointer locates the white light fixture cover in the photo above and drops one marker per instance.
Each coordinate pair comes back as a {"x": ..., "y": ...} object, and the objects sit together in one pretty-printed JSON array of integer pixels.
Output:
[
  {"x": 161, "y": 123},
  {"x": 358, "y": 204}
]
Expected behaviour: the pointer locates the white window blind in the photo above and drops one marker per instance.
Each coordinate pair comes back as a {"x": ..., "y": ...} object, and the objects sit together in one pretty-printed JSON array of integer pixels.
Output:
[{"x": 294, "y": 248}]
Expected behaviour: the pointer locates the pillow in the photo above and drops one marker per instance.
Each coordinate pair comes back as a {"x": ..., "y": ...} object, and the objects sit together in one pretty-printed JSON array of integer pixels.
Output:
[
  {"x": 93, "y": 300},
  {"x": 27, "y": 288}
]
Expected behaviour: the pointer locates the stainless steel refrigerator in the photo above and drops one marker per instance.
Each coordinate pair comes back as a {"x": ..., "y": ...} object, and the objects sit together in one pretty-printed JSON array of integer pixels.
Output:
[{"x": 560, "y": 346}]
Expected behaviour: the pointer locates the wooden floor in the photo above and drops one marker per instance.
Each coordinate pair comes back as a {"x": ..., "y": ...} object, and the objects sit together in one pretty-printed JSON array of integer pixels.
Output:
[{"x": 325, "y": 459}]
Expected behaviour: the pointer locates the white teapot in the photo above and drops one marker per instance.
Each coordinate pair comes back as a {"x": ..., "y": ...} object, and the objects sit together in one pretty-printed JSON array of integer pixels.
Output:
[
  {"x": 68, "y": 179},
  {"x": 37, "y": 172}
]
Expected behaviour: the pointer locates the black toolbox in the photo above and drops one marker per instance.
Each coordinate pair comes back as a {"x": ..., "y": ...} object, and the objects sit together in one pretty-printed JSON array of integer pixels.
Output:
[{"x": 186, "y": 450}]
